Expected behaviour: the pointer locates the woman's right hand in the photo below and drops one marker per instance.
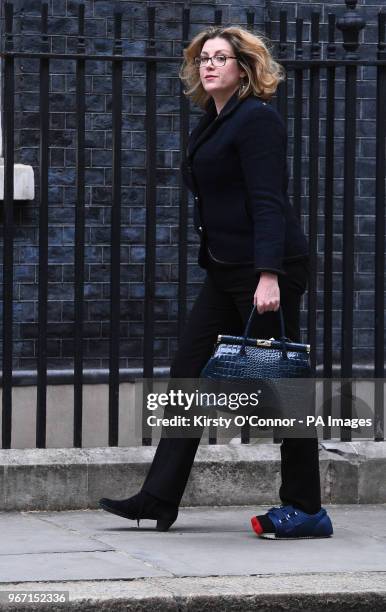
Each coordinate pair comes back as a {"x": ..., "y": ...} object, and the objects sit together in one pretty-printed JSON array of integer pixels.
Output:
[{"x": 267, "y": 294}]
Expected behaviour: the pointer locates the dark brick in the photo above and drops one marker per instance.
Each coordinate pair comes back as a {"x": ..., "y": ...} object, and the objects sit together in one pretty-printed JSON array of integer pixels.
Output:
[
  {"x": 24, "y": 311},
  {"x": 137, "y": 254},
  {"x": 96, "y": 348},
  {"x": 60, "y": 254},
  {"x": 93, "y": 291},
  {"x": 62, "y": 177},
  {"x": 24, "y": 273},
  {"x": 137, "y": 216},
  {"x": 93, "y": 139},
  {"x": 132, "y": 272},
  {"x": 136, "y": 329},
  {"x": 29, "y": 156},
  {"x": 24, "y": 348},
  {"x": 99, "y": 273},
  {"x": 136, "y": 291},
  {"x": 55, "y": 273},
  {"x": 166, "y": 290},
  {"x": 134, "y": 235},
  {"x": 162, "y": 272},
  {"x": 95, "y": 176},
  {"x": 133, "y": 158},
  {"x": 132, "y": 310},
  {"x": 28, "y": 291},
  {"x": 101, "y": 158}
]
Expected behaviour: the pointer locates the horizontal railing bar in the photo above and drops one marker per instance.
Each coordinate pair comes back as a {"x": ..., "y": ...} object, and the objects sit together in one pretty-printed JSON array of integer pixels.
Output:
[
  {"x": 26, "y": 378},
  {"x": 299, "y": 63}
]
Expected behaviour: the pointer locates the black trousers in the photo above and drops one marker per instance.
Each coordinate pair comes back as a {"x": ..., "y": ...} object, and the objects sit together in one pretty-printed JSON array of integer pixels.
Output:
[{"x": 224, "y": 305}]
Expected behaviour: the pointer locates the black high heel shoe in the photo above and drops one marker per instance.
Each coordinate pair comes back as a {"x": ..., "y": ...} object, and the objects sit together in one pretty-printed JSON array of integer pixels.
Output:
[{"x": 142, "y": 506}]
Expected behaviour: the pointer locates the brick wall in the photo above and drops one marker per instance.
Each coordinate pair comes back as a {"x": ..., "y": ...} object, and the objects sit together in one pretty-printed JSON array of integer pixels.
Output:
[{"x": 62, "y": 193}]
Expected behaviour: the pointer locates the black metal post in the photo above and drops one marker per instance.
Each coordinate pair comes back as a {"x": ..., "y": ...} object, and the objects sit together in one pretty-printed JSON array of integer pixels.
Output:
[
  {"x": 79, "y": 233},
  {"x": 44, "y": 106},
  {"x": 9, "y": 113},
  {"x": 380, "y": 200},
  {"x": 350, "y": 24},
  {"x": 313, "y": 186},
  {"x": 115, "y": 297},
  {"x": 183, "y": 209},
  {"x": 151, "y": 194},
  {"x": 298, "y": 116},
  {"x": 329, "y": 228}
]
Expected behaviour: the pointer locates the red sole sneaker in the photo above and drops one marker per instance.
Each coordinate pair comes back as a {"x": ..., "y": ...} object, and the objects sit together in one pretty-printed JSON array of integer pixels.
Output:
[{"x": 257, "y": 528}]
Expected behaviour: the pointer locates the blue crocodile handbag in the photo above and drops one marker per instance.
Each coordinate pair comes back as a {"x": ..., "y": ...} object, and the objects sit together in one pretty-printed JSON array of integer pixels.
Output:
[{"x": 277, "y": 367}]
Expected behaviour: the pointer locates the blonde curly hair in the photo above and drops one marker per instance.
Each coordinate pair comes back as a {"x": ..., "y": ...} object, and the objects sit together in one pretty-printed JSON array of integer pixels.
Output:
[{"x": 253, "y": 55}]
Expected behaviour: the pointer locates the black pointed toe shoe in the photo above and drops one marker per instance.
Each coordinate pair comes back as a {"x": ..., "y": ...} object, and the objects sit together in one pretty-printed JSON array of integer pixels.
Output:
[{"x": 142, "y": 506}]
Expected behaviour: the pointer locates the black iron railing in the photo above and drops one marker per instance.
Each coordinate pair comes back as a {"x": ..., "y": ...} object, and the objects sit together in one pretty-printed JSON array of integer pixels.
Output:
[{"x": 298, "y": 67}]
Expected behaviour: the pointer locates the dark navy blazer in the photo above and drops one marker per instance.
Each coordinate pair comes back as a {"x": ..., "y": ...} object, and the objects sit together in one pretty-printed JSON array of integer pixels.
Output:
[{"x": 236, "y": 167}]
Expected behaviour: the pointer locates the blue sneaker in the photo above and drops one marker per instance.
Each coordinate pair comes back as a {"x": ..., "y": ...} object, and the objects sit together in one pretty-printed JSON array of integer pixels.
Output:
[{"x": 291, "y": 522}]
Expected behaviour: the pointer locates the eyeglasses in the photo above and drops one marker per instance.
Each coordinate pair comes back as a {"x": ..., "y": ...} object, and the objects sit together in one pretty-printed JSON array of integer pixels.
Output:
[{"x": 217, "y": 60}]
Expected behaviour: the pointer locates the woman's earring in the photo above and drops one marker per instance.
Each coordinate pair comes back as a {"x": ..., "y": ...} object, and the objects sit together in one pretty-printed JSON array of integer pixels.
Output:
[{"x": 242, "y": 87}]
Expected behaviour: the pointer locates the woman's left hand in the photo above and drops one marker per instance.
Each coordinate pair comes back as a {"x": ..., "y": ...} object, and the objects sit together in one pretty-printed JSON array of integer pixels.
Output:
[{"x": 267, "y": 294}]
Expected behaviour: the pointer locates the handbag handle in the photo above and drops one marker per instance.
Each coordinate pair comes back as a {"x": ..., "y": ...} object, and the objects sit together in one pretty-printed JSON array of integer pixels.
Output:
[{"x": 282, "y": 337}]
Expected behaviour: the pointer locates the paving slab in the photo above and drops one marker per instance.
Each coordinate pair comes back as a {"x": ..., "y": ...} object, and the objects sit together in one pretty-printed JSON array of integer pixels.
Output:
[
  {"x": 30, "y": 532},
  {"x": 75, "y": 566},
  {"x": 215, "y": 541}
]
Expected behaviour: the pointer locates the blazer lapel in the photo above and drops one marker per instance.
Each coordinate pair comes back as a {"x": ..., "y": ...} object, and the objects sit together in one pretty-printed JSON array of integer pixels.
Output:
[{"x": 209, "y": 122}]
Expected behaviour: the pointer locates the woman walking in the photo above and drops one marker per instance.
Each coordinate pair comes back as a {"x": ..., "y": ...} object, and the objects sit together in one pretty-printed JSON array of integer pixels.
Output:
[{"x": 254, "y": 252}]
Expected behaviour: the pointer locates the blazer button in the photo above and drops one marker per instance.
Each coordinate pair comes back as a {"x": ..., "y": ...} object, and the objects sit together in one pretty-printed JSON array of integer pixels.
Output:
[
  {"x": 196, "y": 198},
  {"x": 200, "y": 228}
]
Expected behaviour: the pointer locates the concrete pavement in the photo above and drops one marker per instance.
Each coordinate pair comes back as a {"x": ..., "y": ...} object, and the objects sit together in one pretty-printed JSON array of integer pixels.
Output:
[{"x": 210, "y": 559}]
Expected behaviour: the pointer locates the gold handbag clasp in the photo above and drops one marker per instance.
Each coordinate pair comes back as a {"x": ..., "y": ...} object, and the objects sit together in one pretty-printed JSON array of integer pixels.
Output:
[{"x": 261, "y": 342}]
